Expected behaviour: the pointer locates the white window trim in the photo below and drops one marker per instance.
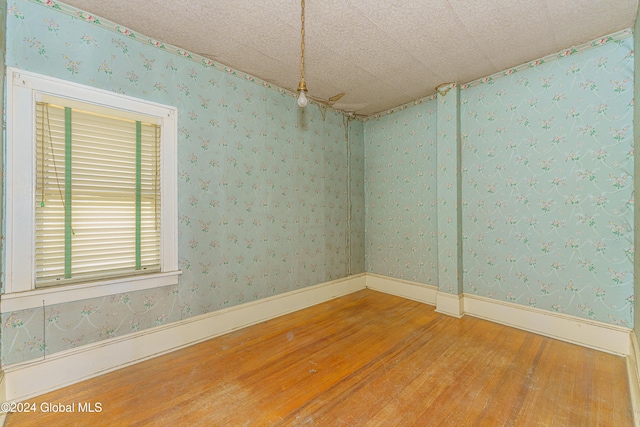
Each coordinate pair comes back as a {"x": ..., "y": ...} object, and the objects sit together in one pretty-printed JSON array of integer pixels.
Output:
[{"x": 19, "y": 287}]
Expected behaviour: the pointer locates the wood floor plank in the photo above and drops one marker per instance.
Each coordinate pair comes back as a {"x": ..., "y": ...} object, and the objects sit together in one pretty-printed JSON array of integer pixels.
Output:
[
  {"x": 445, "y": 367},
  {"x": 472, "y": 390},
  {"x": 363, "y": 359},
  {"x": 377, "y": 383}
]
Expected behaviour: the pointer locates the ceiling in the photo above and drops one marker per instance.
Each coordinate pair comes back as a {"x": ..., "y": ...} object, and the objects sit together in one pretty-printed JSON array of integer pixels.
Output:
[{"x": 380, "y": 53}]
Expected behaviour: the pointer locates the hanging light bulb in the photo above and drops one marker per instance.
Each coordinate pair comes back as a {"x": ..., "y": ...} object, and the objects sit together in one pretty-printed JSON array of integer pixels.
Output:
[
  {"x": 302, "y": 87},
  {"x": 302, "y": 98}
]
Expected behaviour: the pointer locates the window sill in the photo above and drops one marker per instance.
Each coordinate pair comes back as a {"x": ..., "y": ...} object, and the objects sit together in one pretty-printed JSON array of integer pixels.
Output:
[{"x": 61, "y": 294}]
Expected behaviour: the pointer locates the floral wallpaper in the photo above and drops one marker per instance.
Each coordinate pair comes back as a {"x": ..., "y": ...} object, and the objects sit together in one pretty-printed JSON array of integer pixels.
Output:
[
  {"x": 357, "y": 203},
  {"x": 547, "y": 185},
  {"x": 264, "y": 200},
  {"x": 3, "y": 32},
  {"x": 448, "y": 193},
  {"x": 546, "y": 181},
  {"x": 636, "y": 137},
  {"x": 400, "y": 194}
]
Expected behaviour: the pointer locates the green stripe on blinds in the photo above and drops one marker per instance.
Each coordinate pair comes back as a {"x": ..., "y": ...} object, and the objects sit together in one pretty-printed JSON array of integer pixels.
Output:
[
  {"x": 138, "y": 192},
  {"x": 67, "y": 193}
]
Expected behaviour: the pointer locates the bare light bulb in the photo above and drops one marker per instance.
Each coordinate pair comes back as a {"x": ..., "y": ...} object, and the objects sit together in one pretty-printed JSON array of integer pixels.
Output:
[{"x": 302, "y": 100}]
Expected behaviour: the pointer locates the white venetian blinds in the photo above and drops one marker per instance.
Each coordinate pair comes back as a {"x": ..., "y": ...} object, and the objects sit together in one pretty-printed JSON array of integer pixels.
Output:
[{"x": 97, "y": 193}]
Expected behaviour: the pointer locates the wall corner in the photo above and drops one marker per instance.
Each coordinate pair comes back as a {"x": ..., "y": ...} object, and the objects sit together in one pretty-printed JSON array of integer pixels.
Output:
[{"x": 449, "y": 189}]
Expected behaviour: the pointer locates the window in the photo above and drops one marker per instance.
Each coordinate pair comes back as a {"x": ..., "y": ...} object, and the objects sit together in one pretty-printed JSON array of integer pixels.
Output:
[
  {"x": 91, "y": 192},
  {"x": 97, "y": 194}
]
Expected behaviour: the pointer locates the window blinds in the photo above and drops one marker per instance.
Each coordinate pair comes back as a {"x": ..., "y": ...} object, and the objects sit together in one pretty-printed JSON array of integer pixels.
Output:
[{"x": 97, "y": 194}]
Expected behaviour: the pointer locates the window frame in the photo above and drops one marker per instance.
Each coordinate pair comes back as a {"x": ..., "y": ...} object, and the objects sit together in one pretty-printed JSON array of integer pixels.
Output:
[{"x": 23, "y": 89}]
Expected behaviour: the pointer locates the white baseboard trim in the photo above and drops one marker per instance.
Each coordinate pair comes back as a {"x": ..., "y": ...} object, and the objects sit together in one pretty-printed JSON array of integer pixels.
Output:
[
  {"x": 3, "y": 398},
  {"x": 61, "y": 369},
  {"x": 3, "y": 388},
  {"x": 449, "y": 304},
  {"x": 588, "y": 333},
  {"x": 633, "y": 371},
  {"x": 402, "y": 288}
]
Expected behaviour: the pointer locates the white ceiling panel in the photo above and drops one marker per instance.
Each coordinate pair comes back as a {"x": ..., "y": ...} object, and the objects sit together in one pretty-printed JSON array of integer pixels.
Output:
[
  {"x": 381, "y": 53},
  {"x": 493, "y": 24}
]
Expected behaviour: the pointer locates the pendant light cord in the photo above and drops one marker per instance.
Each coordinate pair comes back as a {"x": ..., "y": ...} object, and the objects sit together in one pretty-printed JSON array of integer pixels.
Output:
[{"x": 302, "y": 44}]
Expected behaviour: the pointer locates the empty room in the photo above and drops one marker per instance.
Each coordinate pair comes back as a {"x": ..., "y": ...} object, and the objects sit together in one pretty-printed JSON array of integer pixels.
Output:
[{"x": 319, "y": 213}]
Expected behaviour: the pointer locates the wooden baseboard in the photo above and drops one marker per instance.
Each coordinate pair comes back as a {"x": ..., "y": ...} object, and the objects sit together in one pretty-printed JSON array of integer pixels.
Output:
[
  {"x": 402, "y": 288},
  {"x": 633, "y": 370},
  {"x": 3, "y": 398},
  {"x": 30, "y": 379},
  {"x": 588, "y": 333},
  {"x": 451, "y": 305}
]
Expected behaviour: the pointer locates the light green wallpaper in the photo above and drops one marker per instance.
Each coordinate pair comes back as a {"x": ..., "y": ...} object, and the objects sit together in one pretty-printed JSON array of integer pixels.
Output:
[
  {"x": 3, "y": 41},
  {"x": 400, "y": 194},
  {"x": 448, "y": 190},
  {"x": 636, "y": 139},
  {"x": 548, "y": 185},
  {"x": 356, "y": 201},
  {"x": 263, "y": 186}
]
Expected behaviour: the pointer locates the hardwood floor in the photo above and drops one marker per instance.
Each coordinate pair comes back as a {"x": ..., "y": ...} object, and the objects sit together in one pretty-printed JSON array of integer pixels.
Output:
[{"x": 364, "y": 359}]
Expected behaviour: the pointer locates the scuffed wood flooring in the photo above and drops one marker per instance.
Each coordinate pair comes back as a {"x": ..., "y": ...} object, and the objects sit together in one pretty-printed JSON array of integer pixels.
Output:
[{"x": 363, "y": 359}]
